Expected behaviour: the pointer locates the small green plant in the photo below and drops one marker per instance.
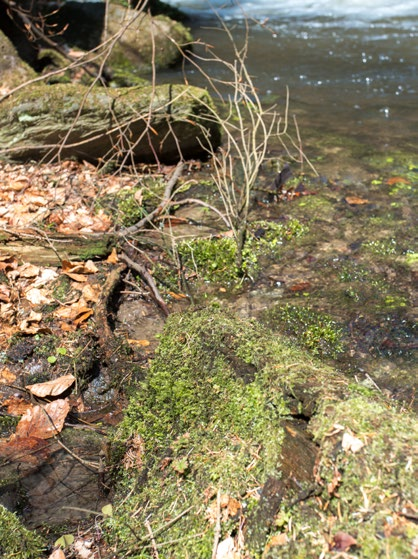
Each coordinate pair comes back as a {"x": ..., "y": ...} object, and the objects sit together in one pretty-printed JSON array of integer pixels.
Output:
[{"x": 52, "y": 359}]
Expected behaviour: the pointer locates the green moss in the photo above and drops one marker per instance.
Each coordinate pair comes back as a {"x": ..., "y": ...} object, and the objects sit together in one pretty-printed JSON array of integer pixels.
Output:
[
  {"x": 17, "y": 542},
  {"x": 214, "y": 259},
  {"x": 61, "y": 288},
  {"x": 202, "y": 415},
  {"x": 208, "y": 418},
  {"x": 377, "y": 480},
  {"x": 314, "y": 330}
]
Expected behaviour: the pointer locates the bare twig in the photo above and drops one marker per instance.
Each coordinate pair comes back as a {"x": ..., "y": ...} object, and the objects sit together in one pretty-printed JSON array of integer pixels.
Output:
[
  {"x": 161, "y": 207},
  {"x": 153, "y": 542},
  {"x": 217, "y": 534},
  {"x": 149, "y": 280}
]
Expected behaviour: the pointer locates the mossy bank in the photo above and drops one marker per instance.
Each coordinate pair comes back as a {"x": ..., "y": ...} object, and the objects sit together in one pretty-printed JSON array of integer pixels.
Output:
[{"x": 210, "y": 433}]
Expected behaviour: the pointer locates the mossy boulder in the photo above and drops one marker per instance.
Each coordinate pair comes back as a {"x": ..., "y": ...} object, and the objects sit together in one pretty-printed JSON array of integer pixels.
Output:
[
  {"x": 13, "y": 71},
  {"x": 237, "y": 438},
  {"x": 146, "y": 124},
  {"x": 148, "y": 41}
]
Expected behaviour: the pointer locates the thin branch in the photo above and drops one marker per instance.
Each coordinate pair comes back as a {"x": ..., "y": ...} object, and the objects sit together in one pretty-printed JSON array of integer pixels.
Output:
[
  {"x": 149, "y": 280},
  {"x": 160, "y": 208}
]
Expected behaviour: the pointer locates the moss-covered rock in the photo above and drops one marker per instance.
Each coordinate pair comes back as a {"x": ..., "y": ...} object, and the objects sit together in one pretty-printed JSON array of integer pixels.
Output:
[
  {"x": 13, "y": 71},
  {"x": 211, "y": 455},
  {"x": 147, "y": 41},
  {"x": 164, "y": 122}
]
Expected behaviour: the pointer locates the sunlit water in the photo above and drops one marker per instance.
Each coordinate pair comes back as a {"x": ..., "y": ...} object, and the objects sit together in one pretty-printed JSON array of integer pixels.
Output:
[{"x": 349, "y": 65}]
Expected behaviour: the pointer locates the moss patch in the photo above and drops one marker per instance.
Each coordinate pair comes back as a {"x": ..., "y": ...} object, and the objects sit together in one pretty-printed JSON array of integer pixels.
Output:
[
  {"x": 16, "y": 541},
  {"x": 206, "y": 428}
]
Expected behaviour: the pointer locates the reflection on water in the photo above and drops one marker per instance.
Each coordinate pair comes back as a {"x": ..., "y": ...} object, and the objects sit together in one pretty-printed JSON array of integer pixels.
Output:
[{"x": 346, "y": 67}]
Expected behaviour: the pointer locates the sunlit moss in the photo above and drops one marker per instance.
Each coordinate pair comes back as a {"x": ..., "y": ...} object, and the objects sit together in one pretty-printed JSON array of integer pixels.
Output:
[
  {"x": 16, "y": 541},
  {"x": 314, "y": 330}
]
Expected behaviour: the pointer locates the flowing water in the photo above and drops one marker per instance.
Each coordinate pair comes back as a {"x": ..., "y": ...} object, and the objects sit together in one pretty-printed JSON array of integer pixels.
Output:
[{"x": 349, "y": 65}]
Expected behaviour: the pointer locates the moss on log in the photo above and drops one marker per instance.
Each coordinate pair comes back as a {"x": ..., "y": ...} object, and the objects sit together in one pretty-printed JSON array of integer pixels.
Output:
[
  {"x": 148, "y": 124},
  {"x": 49, "y": 250}
]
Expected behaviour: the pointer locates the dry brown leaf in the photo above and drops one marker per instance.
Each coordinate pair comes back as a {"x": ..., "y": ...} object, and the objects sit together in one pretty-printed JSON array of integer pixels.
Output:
[
  {"x": 335, "y": 482},
  {"x": 38, "y": 296},
  {"x": 140, "y": 343},
  {"x": 397, "y": 180},
  {"x": 91, "y": 293},
  {"x": 30, "y": 450},
  {"x": 113, "y": 257},
  {"x": 6, "y": 376},
  {"x": 7, "y": 311},
  {"x": 28, "y": 271},
  {"x": 52, "y": 387},
  {"x": 43, "y": 422},
  {"x": 177, "y": 296},
  {"x": 301, "y": 286},
  {"x": 8, "y": 263},
  {"x": 16, "y": 405},
  {"x": 356, "y": 200},
  {"x": 4, "y": 293},
  {"x": 83, "y": 315},
  {"x": 343, "y": 542},
  {"x": 30, "y": 324},
  {"x": 76, "y": 277},
  {"x": 57, "y": 554},
  {"x": 279, "y": 539}
]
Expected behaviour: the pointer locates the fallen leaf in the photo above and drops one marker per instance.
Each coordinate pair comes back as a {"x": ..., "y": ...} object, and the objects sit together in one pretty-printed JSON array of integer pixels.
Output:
[
  {"x": 30, "y": 324},
  {"x": 233, "y": 507},
  {"x": 140, "y": 343},
  {"x": 43, "y": 422},
  {"x": 4, "y": 293},
  {"x": 397, "y": 180},
  {"x": 275, "y": 541},
  {"x": 356, "y": 200},
  {"x": 16, "y": 405},
  {"x": 177, "y": 296},
  {"x": 83, "y": 550},
  {"x": 6, "y": 376},
  {"x": 335, "y": 482},
  {"x": 65, "y": 540},
  {"x": 113, "y": 257},
  {"x": 52, "y": 387},
  {"x": 91, "y": 293},
  {"x": 83, "y": 315},
  {"x": 87, "y": 267},
  {"x": 57, "y": 554},
  {"x": 29, "y": 450},
  {"x": 28, "y": 271},
  {"x": 351, "y": 443},
  {"x": 343, "y": 542},
  {"x": 301, "y": 286},
  {"x": 75, "y": 277},
  {"x": 37, "y": 296}
]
